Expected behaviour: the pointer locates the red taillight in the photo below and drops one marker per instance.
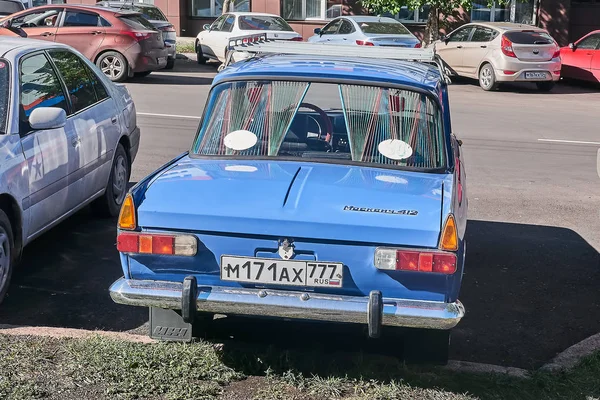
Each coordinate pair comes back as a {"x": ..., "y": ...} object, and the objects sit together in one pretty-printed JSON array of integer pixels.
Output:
[
  {"x": 137, "y": 36},
  {"x": 418, "y": 45},
  {"x": 297, "y": 39},
  {"x": 506, "y": 46},
  {"x": 149, "y": 243},
  {"x": 364, "y": 43},
  {"x": 508, "y": 72},
  {"x": 415, "y": 260},
  {"x": 556, "y": 53}
]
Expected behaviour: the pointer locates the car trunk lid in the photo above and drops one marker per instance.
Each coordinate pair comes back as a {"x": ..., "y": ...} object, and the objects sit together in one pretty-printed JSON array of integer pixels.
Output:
[{"x": 535, "y": 46}]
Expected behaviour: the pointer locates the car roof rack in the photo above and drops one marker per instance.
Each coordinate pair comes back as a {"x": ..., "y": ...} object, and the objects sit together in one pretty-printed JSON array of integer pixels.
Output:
[{"x": 258, "y": 43}]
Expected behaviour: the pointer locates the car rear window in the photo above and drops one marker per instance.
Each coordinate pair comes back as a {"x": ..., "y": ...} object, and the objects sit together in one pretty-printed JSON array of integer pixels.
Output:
[
  {"x": 263, "y": 23},
  {"x": 386, "y": 28},
  {"x": 4, "y": 90},
  {"x": 10, "y": 7},
  {"x": 137, "y": 22},
  {"x": 522, "y": 37},
  {"x": 152, "y": 13},
  {"x": 324, "y": 122}
]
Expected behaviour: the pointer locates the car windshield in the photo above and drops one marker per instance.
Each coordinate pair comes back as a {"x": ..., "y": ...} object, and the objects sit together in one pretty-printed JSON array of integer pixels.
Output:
[
  {"x": 137, "y": 22},
  {"x": 4, "y": 90},
  {"x": 386, "y": 28},
  {"x": 529, "y": 37},
  {"x": 263, "y": 23},
  {"x": 340, "y": 123},
  {"x": 152, "y": 13}
]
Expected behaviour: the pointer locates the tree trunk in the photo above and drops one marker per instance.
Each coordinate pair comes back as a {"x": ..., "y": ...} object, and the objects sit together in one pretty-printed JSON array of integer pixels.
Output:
[
  {"x": 226, "y": 6},
  {"x": 432, "y": 29}
]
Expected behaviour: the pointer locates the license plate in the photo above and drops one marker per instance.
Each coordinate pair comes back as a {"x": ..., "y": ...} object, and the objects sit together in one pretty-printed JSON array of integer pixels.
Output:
[
  {"x": 535, "y": 75},
  {"x": 281, "y": 272}
]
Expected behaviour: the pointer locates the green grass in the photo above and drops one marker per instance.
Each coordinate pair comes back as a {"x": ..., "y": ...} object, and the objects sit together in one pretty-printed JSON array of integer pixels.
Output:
[
  {"x": 185, "y": 48},
  {"x": 101, "y": 368}
]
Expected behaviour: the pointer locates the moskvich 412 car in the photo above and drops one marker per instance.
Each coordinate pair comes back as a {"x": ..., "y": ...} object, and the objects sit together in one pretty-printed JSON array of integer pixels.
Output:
[{"x": 331, "y": 188}]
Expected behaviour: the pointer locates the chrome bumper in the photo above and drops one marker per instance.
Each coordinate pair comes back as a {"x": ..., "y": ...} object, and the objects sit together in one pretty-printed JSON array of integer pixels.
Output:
[{"x": 288, "y": 304}]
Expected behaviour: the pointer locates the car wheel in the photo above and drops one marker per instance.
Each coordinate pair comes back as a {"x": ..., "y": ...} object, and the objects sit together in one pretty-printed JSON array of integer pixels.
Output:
[
  {"x": 545, "y": 86},
  {"x": 170, "y": 63},
  {"x": 6, "y": 254},
  {"x": 114, "y": 65},
  {"x": 199, "y": 55},
  {"x": 429, "y": 346},
  {"x": 487, "y": 78},
  {"x": 110, "y": 203}
]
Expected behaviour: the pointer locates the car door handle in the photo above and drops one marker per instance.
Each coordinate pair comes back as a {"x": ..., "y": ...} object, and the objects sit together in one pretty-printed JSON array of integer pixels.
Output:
[
  {"x": 47, "y": 34},
  {"x": 96, "y": 33},
  {"x": 459, "y": 47},
  {"x": 483, "y": 46},
  {"x": 113, "y": 120}
]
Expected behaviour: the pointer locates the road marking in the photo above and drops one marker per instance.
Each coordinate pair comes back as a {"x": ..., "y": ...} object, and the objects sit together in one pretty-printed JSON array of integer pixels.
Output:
[
  {"x": 567, "y": 141},
  {"x": 167, "y": 115}
]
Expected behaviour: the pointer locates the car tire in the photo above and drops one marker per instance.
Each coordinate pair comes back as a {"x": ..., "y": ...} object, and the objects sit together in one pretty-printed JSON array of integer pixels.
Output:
[
  {"x": 114, "y": 65},
  {"x": 200, "y": 57},
  {"x": 487, "y": 77},
  {"x": 545, "y": 86},
  {"x": 430, "y": 346},
  {"x": 170, "y": 63},
  {"x": 109, "y": 205},
  {"x": 7, "y": 252}
]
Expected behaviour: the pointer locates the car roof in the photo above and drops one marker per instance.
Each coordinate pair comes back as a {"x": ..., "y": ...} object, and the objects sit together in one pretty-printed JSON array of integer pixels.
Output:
[
  {"x": 508, "y": 26},
  {"x": 121, "y": 3},
  {"x": 370, "y": 18},
  {"x": 241, "y": 14},
  {"x": 23, "y": 45},
  {"x": 331, "y": 68},
  {"x": 98, "y": 9}
]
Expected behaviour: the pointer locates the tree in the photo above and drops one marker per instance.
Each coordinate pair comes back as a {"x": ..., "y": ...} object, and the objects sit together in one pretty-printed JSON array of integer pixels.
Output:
[
  {"x": 437, "y": 7},
  {"x": 226, "y": 6}
]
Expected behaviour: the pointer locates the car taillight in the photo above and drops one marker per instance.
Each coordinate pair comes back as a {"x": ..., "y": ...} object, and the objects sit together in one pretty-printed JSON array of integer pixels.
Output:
[
  {"x": 127, "y": 215},
  {"x": 418, "y": 45},
  {"x": 137, "y": 36},
  {"x": 449, "y": 238},
  {"x": 506, "y": 46},
  {"x": 415, "y": 260},
  {"x": 158, "y": 244},
  {"x": 297, "y": 39},
  {"x": 167, "y": 28},
  {"x": 364, "y": 43},
  {"x": 556, "y": 53}
]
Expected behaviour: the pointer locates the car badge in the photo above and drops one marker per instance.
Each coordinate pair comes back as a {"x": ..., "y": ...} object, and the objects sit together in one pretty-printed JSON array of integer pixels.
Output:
[
  {"x": 286, "y": 249},
  {"x": 275, "y": 35},
  {"x": 536, "y": 52}
]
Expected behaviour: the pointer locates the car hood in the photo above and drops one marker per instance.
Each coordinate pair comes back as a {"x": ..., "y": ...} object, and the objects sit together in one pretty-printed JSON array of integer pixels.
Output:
[{"x": 312, "y": 200}]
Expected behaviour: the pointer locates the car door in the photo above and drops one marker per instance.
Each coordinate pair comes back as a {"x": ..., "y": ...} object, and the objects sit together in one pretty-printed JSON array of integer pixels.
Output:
[
  {"x": 451, "y": 50},
  {"x": 345, "y": 32},
  {"x": 476, "y": 49},
  {"x": 577, "y": 62},
  {"x": 218, "y": 39},
  {"x": 206, "y": 37},
  {"x": 330, "y": 31},
  {"x": 595, "y": 68},
  {"x": 52, "y": 155},
  {"x": 81, "y": 30},
  {"x": 94, "y": 118},
  {"x": 39, "y": 24}
]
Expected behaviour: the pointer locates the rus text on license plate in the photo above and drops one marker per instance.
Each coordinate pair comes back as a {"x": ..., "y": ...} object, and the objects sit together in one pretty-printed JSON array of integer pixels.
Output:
[
  {"x": 281, "y": 272},
  {"x": 535, "y": 75}
]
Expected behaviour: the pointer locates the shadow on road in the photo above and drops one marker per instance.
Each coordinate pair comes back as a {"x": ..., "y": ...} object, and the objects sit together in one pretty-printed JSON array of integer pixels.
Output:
[
  {"x": 562, "y": 87},
  {"x": 530, "y": 292}
]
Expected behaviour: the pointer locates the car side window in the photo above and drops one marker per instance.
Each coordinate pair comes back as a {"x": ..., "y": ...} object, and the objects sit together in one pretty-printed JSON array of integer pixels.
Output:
[
  {"x": 78, "y": 18},
  {"x": 591, "y": 42},
  {"x": 44, "y": 18},
  {"x": 483, "y": 34},
  {"x": 40, "y": 87},
  {"x": 332, "y": 27},
  {"x": 227, "y": 25},
  {"x": 461, "y": 35},
  {"x": 78, "y": 83},
  {"x": 346, "y": 28},
  {"x": 104, "y": 22},
  {"x": 216, "y": 26}
]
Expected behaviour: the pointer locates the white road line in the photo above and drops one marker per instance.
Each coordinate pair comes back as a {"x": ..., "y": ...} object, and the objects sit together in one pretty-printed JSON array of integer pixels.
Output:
[
  {"x": 567, "y": 141},
  {"x": 167, "y": 115}
]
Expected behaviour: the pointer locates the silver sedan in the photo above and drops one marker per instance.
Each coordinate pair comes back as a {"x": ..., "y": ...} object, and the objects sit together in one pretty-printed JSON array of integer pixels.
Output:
[{"x": 68, "y": 136}]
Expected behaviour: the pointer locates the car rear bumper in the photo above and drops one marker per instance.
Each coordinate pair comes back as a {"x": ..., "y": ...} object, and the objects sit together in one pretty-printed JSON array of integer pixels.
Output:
[
  {"x": 551, "y": 70},
  {"x": 289, "y": 304}
]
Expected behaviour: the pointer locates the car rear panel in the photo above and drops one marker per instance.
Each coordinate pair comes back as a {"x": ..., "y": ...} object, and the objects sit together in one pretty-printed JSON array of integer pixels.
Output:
[
  {"x": 333, "y": 213},
  {"x": 532, "y": 46},
  {"x": 393, "y": 40}
]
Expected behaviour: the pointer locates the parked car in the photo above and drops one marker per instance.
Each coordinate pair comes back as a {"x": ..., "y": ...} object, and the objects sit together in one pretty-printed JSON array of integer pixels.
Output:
[
  {"x": 212, "y": 42},
  {"x": 318, "y": 187},
  {"x": 121, "y": 43},
  {"x": 501, "y": 52},
  {"x": 68, "y": 137},
  {"x": 156, "y": 17},
  {"x": 365, "y": 31},
  {"x": 8, "y": 7},
  {"x": 581, "y": 60}
]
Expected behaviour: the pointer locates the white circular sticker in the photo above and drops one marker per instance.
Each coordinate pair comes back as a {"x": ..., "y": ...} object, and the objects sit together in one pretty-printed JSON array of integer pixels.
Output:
[
  {"x": 240, "y": 140},
  {"x": 240, "y": 168},
  {"x": 395, "y": 149}
]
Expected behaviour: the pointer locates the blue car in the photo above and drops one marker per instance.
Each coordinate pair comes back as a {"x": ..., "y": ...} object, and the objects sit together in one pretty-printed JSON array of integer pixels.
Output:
[{"x": 326, "y": 188}]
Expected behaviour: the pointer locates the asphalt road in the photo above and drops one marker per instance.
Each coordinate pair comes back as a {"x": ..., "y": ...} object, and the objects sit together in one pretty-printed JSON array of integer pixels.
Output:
[{"x": 533, "y": 269}]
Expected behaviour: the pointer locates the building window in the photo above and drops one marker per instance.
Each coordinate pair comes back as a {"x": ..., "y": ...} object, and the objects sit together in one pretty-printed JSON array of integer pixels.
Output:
[
  {"x": 518, "y": 11},
  {"x": 214, "y": 8},
  {"x": 306, "y": 9},
  {"x": 410, "y": 16}
]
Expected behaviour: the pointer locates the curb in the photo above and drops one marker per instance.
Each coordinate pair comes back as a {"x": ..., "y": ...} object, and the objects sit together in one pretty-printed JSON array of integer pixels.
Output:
[
  {"x": 570, "y": 357},
  {"x": 17, "y": 330},
  {"x": 480, "y": 368}
]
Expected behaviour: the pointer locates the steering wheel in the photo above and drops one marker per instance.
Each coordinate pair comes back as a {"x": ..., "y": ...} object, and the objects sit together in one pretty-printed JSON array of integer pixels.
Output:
[{"x": 325, "y": 125}]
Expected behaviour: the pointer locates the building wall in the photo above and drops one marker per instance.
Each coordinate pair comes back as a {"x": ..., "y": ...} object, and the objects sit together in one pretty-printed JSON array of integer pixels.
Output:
[
  {"x": 585, "y": 17},
  {"x": 553, "y": 15}
]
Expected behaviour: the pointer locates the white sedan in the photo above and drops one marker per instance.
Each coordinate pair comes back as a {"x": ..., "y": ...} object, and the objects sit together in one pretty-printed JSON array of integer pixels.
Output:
[{"x": 212, "y": 42}]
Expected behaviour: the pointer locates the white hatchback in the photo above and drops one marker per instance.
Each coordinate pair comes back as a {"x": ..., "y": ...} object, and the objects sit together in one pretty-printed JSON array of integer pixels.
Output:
[{"x": 212, "y": 42}]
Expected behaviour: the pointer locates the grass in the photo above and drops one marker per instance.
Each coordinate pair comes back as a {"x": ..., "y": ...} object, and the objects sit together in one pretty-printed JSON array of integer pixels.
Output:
[
  {"x": 185, "y": 48},
  {"x": 101, "y": 368}
]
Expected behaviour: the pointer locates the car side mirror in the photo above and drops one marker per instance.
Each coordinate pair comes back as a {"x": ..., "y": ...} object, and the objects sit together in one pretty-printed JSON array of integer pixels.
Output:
[
  {"x": 7, "y": 24},
  {"x": 206, "y": 27},
  {"x": 47, "y": 118},
  {"x": 572, "y": 46},
  {"x": 317, "y": 31}
]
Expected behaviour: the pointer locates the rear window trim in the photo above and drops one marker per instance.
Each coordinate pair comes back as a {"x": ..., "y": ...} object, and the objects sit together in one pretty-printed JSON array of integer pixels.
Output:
[
  {"x": 5, "y": 129},
  {"x": 448, "y": 168}
]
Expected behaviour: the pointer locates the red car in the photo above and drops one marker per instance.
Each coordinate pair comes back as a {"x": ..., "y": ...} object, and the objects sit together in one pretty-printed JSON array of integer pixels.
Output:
[
  {"x": 581, "y": 60},
  {"x": 120, "y": 42}
]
